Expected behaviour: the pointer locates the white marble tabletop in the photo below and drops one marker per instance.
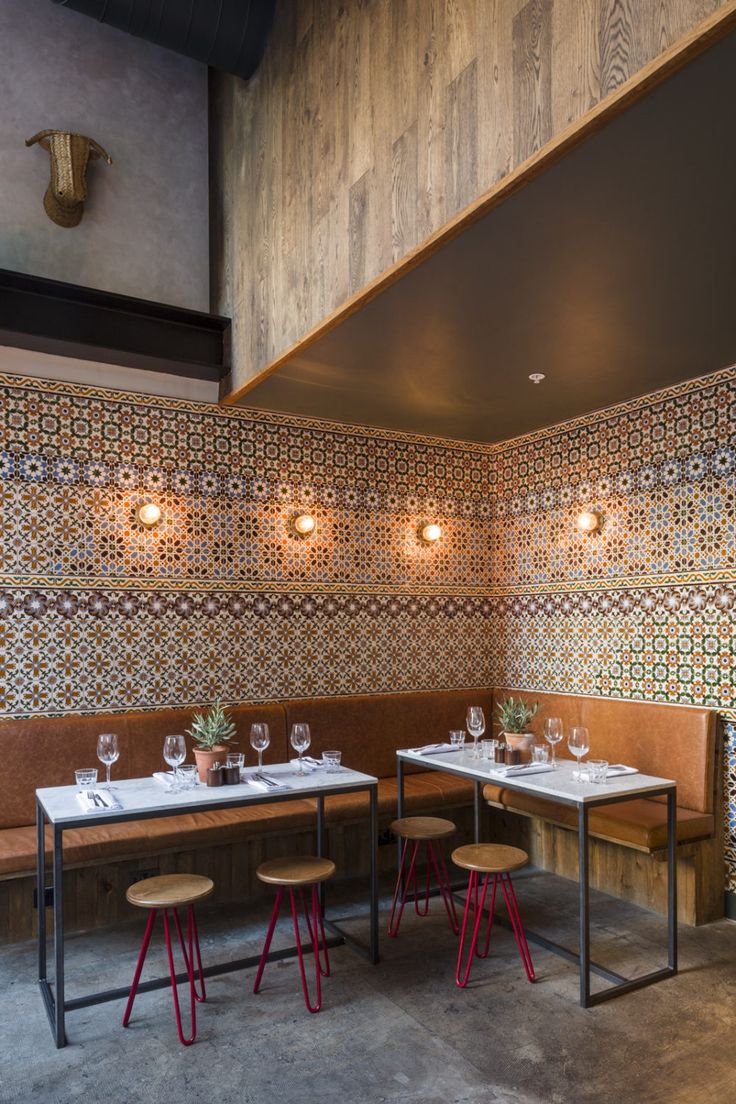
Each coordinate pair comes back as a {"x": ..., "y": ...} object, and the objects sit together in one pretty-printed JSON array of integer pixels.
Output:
[
  {"x": 146, "y": 795},
  {"x": 554, "y": 784}
]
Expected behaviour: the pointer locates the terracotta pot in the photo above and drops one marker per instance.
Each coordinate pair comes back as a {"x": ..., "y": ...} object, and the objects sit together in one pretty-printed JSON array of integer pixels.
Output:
[
  {"x": 522, "y": 741},
  {"x": 208, "y": 758}
]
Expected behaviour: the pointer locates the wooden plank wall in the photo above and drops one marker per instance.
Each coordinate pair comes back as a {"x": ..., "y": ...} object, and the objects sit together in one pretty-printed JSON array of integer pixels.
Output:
[{"x": 372, "y": 122}]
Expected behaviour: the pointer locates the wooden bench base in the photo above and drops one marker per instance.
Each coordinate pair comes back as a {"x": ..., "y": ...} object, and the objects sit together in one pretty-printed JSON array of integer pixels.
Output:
[{"x": 636, "y": 876}]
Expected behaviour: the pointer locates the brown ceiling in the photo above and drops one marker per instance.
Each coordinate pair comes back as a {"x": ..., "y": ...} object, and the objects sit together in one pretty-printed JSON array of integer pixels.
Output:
[{"x": 612, "y": 273}]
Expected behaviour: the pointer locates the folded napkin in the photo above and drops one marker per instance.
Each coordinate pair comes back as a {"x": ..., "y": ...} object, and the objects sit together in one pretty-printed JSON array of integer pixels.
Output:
[
  {"x": 436, "y": 749},
  {"x": 95, "y": 800},
  {"x": 521, "y": 768},
  {"x": 166, "y": 778},
  {"x": 616, "y": 769},
  {"x": 309, "y": 764},
  {"x": 266, "y": 783}
]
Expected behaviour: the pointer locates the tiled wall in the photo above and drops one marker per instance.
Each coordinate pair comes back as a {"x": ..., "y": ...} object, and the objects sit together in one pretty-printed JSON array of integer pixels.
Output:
[
  {"x": 645, "y": 608},
  {"x": 98, "y": 614}
]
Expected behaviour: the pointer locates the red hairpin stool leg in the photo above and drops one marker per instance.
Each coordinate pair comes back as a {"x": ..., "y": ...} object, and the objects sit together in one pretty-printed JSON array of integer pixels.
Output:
[
  {"x": 415, "y": 831},
  {"x": 487, "y": 861},
  {"x": 296, "y": 875},
  {"x": 167, "y": 894}
]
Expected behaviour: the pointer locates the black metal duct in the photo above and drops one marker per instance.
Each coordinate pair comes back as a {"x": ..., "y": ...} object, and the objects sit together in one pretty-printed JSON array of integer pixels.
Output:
[{"x": 226, "y": 34}]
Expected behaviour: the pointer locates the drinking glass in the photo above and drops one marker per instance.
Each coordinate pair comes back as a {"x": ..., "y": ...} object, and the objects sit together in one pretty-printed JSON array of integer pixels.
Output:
[
  {"x": 108, "y": 752},
  {"x": 332, "y": 761},
  {"x": 175, "y": 752},
  {"x": 476, "y": 725},
  {"x": 553, "y": 734},
  {"x": 579, "y": 744},
  {"x": 188, "y": 776},
  {"x": 86, "y": 778},
  {"x": 488, "y": 747},
  {"x": 457, "y": 737},
  {"x": 598, "y": 770},
  {"x": 259, "y": 740},
  {"x": 300, "y": 741},
  {"x": 540, "y": 754}
]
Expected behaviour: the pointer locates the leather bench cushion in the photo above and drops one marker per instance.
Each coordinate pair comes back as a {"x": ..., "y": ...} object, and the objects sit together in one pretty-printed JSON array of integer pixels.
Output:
[
  {"x": 101, "y": 843},
  {"x": 425, "y": 791},
  {"x": 667, "y": 741},
  {"x": 369, "y": 729},
  {"x": 638, "y": 823},
  {"x": 45, "y": 751}
]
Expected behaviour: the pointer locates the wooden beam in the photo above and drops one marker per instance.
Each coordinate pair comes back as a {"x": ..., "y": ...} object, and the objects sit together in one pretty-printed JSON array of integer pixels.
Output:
[{"x": 652, "y": 74}]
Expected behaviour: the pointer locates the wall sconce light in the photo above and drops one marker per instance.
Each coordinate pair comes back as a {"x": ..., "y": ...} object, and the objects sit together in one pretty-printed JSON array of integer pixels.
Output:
[
  {"x": 430, "y": 532},
  {"x": 588, "y": 521},
  {"x": 304, "y": 525},
  {"x": 148, "y": 514}
]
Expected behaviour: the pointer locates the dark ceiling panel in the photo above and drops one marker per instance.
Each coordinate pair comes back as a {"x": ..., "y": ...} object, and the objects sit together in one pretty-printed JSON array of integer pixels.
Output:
[{"x": 612, "y": 273}]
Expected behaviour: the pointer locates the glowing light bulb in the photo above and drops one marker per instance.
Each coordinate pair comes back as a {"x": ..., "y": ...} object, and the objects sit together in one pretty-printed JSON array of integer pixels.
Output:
[
  {"x": 431, "y": 532},
  {"x": 588, "y": 521},
  {"x": 149, "y": 514},
  {"x": 304, "y": 525}
]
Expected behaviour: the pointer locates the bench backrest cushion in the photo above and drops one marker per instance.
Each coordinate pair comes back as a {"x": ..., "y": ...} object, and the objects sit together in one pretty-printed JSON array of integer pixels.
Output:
[
  {"x": 45, "y": 751},
  {"x": 669, "y": 741},
  {"x": 368, "y": 729}
]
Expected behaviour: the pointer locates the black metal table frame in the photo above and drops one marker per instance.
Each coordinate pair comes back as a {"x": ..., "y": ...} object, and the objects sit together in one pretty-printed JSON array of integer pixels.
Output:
[
  {"x": 619, "y": 985},
  {"x": 53, "y": 996}
]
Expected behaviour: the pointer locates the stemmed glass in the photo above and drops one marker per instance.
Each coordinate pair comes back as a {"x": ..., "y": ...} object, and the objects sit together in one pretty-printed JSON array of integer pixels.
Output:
[
  {"x": 300, "y": 741},
  {"x": 108, "y": 752},
  {"x": 259, "y": 740},
  {"x": 579, "y": 744},
  {"x": 476, "y": 724},
  {"x": 175, "y": 752},
  {"x": 553, "y": 734}
]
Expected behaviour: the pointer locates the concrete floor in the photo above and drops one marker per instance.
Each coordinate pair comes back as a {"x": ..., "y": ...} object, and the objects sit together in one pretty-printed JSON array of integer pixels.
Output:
[{"x": 398, "y": 1032}]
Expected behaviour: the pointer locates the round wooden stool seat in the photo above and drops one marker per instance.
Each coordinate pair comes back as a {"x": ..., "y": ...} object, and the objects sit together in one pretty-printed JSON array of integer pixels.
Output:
[
  {"x": 423, "y": 828},
  {"x": 490, "y": 858},
  {"x": 296, "y": 871},
  {"x": 170, "y": 891}
]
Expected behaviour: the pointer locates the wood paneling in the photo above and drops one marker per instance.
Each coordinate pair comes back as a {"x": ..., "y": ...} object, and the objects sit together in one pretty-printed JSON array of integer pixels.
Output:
[{"x": 371, "y": 124}]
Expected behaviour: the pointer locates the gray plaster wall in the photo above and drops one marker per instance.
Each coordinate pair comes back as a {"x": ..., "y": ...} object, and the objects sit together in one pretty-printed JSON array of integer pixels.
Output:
[{"x": 145, "y": 226}]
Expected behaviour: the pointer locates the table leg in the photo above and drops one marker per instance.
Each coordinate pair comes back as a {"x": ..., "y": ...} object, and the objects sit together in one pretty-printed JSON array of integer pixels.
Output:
[
  {"x": 374, "y": 874},
  {"x": 41, "y": 891},
  {"x": 477, "y": 805},
  {"x": 59, "y": 1032},
  {"x": 399, "y": 811},
  {"x": 584, "y": 890},
  {"x": 321, "y": 844},
  {"x": 672, "y": 880}
]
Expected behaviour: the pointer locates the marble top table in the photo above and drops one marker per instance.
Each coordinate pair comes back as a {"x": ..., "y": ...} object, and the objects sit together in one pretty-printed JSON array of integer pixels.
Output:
[{"x": 558, "y": 785}]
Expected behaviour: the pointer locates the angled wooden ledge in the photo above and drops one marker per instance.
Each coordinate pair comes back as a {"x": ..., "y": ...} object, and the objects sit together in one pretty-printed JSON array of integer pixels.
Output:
[{"x": 655, "y": 72}]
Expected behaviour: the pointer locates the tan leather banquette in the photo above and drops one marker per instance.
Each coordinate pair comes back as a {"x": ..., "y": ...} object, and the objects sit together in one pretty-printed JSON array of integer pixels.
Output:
[
  {"x": 368, "y": 730},
  {"x": 668, "y": 741}
]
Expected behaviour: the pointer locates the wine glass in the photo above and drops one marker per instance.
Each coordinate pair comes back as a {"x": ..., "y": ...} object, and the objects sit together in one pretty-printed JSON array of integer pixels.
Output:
[
  {"x": 259, "y": 740},
  {"x": 108, "y": 752},
  {"x": 579, "y": 744},
  {"x": 553, "y": 734},
  {"x": 476, "y": 724},
  {"x": 300, "y": 741},
  {"x": 175, "y": 752}
]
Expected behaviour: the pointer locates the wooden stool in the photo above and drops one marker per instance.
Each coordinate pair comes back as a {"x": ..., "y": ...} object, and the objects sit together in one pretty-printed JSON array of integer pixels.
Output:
[
  {"x": 172, "y": 892},
  {"x": 498, "y": 860},
  {"x": 429, "y": 831},
  {"x": 292, "y": 874}
]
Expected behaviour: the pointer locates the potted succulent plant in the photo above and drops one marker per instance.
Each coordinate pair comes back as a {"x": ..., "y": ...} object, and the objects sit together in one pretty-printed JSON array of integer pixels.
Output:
[
  {"x": 210, "y": 732},
  {"x": 515, "y": 717}
]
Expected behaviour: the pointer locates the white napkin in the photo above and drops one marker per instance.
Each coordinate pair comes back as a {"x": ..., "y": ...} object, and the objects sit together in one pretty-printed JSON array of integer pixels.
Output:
[
  {"x": 521, "y": 768},
  {"x": 309, "y": 764},
  {"x": 257, "y": 784},
  {"x": 166, "y": 778},
  {"x": 436, "y": 749},
  {"x": 618, "y": 768},
  {"x": 92, "y": 806}
]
